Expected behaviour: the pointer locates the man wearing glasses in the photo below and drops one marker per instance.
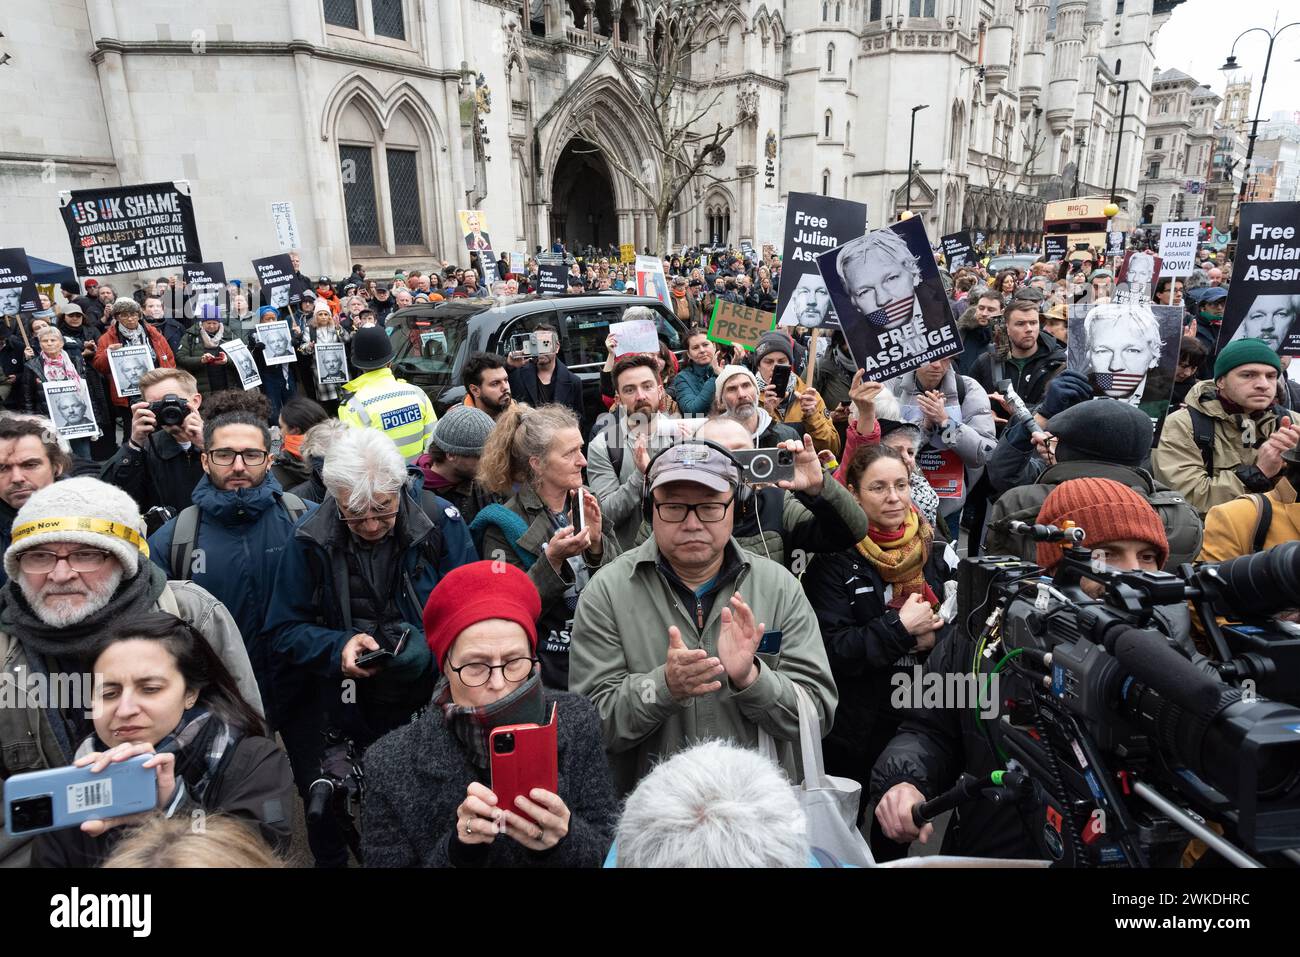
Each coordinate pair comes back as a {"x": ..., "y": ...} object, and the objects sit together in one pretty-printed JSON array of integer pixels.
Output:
[
  {"x": 688, "y": 636},
  {"x": 352, "y": 579}
]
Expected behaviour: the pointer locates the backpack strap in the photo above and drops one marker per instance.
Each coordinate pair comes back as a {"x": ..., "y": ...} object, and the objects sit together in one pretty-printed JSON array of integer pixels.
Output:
[
  {"x": 961, "y": 389},
  {"x": 184, "y": 535},
  {"x": 512, "y": 526},
  {"x": 295, "y": 506},
  {"x": 1203, "y": 436},
  {"x": 1263, "y": 519}
]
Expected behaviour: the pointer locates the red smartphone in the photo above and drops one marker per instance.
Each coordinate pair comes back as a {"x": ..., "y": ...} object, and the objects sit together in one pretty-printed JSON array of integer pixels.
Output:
[{"x": 523, "y": 757}]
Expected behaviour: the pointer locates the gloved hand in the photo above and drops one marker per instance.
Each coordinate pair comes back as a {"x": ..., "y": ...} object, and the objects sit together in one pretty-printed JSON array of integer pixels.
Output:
[{"x": 1067, "y": 389}]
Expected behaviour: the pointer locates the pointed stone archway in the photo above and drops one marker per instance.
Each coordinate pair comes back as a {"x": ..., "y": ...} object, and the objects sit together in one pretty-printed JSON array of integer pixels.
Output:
[{"x": 582, "y": 198}]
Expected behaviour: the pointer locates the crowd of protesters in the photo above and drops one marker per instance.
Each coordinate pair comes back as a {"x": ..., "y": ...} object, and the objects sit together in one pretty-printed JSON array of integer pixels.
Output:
[{"x": 305, "y": 575}]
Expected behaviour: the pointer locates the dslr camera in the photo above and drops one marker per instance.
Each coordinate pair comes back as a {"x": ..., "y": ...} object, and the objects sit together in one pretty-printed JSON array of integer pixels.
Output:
[{"x": 171, "y": 410}]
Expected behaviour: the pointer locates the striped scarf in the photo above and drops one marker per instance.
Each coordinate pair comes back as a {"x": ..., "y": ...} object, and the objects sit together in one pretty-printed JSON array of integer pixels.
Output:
[{"x": 900, "y": 558}]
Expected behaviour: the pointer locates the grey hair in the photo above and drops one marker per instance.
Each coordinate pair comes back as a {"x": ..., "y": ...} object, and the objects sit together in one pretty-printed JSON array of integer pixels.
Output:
[
  {"x": 633, "y": 313},
  {"x": 320, "y": 438},
  {"x": 1139, "y": 314},
  {"x": 362, "y": 465},
  {"x": 886, "y": 241},
  {"x": 713, "y": 805}
]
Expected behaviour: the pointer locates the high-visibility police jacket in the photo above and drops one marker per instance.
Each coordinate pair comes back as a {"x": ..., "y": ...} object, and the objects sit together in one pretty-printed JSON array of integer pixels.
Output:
[{"x": 403, "y": 412}]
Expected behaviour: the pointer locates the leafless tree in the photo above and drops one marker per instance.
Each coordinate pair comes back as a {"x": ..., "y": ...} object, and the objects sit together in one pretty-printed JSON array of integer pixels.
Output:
[{"x": 684, "y": 143}]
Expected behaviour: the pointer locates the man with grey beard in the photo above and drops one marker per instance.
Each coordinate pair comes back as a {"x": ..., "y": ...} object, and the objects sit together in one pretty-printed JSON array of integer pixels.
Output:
[{"x": 78, "y": 562}]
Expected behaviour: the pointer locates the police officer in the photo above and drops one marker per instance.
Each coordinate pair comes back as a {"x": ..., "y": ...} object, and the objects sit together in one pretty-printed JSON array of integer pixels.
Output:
[{"x": 379, "y": 400}]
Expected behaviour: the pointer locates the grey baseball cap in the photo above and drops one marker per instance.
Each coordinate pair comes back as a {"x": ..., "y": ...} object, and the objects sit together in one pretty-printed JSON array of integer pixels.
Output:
[{"x": 693, "y": 462}]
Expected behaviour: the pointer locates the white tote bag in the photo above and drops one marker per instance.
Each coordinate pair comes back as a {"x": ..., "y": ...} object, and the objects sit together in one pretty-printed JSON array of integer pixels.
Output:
[{"x": 830, "y": 804}]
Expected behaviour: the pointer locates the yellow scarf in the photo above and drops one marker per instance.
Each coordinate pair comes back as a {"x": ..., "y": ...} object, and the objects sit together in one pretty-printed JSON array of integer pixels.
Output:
[{"x": 900, "y": 558}]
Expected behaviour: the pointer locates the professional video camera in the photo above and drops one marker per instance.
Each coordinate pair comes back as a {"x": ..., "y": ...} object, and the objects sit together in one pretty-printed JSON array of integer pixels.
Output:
[
  {"x": 339, "y": 789},
  {"x": 1128, "y": 741}
]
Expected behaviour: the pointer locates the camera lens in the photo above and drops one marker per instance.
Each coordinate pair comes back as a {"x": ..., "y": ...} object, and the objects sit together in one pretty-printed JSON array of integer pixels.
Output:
[
  {"x": 760, "y": 466},
  {"x": 503, "y": 743},
  {"x": 786, "y": 457},
  {"x": 33, "y": 813}
]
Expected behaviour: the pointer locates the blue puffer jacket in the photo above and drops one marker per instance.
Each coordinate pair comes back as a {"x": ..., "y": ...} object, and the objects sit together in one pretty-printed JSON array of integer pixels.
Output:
[
  {"x": 237, "y": 547},
  {"x": 692, "y": 388},
  {"x": 304, "y": 623}
]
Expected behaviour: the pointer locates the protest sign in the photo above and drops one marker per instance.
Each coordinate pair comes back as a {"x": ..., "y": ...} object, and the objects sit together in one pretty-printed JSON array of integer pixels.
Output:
[
  {"x": 1178, "y": 248},
  {"x": 886, "y": 289},
  {"x": 116, "y": 229},
  {"x": 813, "y": 224},
  {"x": 650, "y": 279},
  {"x": 1055, "y": 248},
  {"x": 627, "y": 254},
  {"x": 205, "y": 283},
  {"x": 127, "y": 365},
  {"x": 944, "y": 470},
  {"x": 286, "y": 226},
  {"x": 1114, "y": 244},
  {"x": 70, "y": 408},
  {"x": 276, "y": 342},
  {"x": 331, "y": 363},
  {"x": 1139, "y": 272},
  {"x": 1127, "y": 350},
  {"x": 552, "y": 277},
  {"x": 473, "y": 226},
  {"x": 1265, "y": 293},
  {"x": 732, "y": 324},
  {"x": 17, "y": 288},
  {"x": 275, "y": 276},
  {"x": 639, "y": 335},
  {"x": 958, "y": 250},
  {"x": 238, "y": 354}
]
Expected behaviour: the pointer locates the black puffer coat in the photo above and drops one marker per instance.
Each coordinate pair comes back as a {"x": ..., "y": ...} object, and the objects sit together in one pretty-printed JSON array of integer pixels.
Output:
[
  {"x": 418, "y": 775},
  {"x": 867, "y": 646}
]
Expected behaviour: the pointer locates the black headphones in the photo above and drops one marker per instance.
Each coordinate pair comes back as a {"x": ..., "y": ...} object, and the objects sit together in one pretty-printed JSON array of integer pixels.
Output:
[{"x": 744, "y": 493}]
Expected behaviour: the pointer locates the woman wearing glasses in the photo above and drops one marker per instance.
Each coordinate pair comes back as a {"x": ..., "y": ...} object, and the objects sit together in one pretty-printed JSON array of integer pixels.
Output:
[
  {"x": 877, "y": 605},
  {"x": 429, "y": 799},
  {"x": 534, "y": 457},
  {"x": 353, "y": 580}
]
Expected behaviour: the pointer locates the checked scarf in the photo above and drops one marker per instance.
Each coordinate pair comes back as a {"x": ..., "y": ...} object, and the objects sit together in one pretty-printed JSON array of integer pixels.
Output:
[
  {"x": 900, "y": 558},
  {"x": 473, "y": 726}
]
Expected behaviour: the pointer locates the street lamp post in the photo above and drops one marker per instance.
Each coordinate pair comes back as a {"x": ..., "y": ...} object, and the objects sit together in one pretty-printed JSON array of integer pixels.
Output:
[
  {"x": 1119, "y": 142},
  {"x": 911, "y": 139},
  {"x": 1231, "y": 66}
]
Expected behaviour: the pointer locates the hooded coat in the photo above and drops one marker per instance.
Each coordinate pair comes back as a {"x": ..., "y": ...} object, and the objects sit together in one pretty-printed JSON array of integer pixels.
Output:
[
  {"x": 1177, "y": 460},
  {"x": 237, "y": 547}
]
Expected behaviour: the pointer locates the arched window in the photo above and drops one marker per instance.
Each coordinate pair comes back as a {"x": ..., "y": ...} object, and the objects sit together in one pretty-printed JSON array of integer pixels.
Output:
[
  {"x": 1118, "y": 64},
  {"x": 826, "y": 182},
  {"x": 851, "y": 61},
  {"x": 839, "y": 9},
  {"x": 826, "y": 10},
  {"x": 382, "y": 173},
  {"x": 826, "y": 131},
  {"x": 848, "y": 136},
  {"x": 830, "y": 58}
]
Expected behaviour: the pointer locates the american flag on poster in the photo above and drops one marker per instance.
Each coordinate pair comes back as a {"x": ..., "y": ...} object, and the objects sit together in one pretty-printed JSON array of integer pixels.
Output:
[
  {"x": 1118, "y": 384},
  {"x": 892, "y": 312}
]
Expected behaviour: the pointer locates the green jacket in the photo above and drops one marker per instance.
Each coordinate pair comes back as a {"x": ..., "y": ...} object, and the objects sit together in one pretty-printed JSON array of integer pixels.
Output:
[
  {"x": 190, "y": 357},
  {"x": 1177, "y": 461},
  {"x": 620, "y": 646}
]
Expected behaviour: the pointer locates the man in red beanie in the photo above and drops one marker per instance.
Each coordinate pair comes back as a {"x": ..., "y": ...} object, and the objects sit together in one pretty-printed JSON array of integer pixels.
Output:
[
  {"x": 1122, "y": 528},
  {"x": 932, "y": 747}
]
